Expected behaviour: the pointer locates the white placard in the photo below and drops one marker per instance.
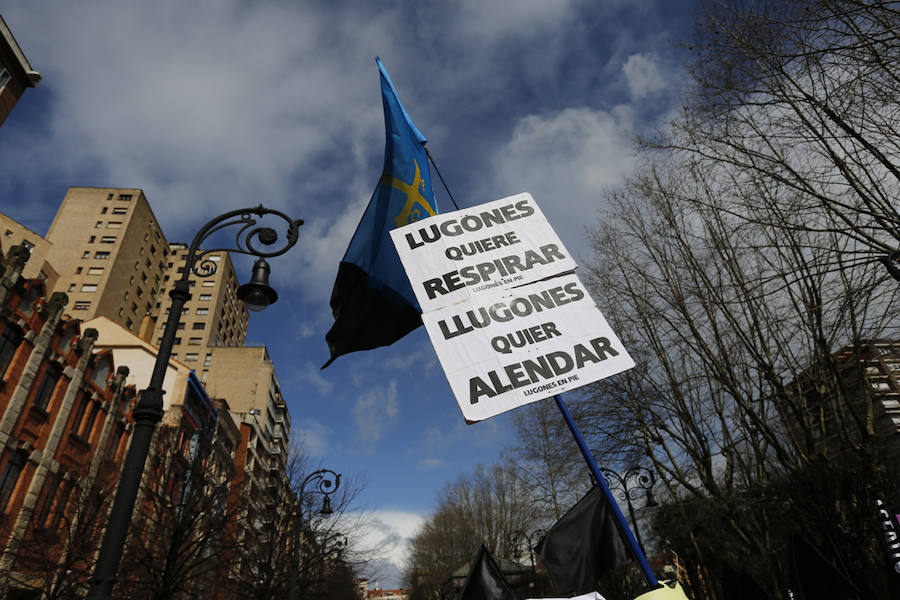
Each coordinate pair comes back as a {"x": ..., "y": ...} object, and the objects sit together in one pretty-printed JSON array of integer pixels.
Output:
[
  {"x": 505, "y": 349},
  {"x": 467, "y": 253}
]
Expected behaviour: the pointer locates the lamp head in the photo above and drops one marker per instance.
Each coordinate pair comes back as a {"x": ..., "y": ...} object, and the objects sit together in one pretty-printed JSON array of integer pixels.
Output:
[
  {"x": 257, "y": 293},
  {"x": 326, "y": 507}
]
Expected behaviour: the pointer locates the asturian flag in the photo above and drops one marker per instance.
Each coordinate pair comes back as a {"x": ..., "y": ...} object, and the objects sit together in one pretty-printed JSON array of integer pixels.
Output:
[{"x": 372, "y": 301}]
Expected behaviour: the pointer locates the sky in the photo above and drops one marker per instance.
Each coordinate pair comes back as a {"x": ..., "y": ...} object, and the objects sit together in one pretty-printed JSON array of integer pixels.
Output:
[{"x": 210, "y": 106}]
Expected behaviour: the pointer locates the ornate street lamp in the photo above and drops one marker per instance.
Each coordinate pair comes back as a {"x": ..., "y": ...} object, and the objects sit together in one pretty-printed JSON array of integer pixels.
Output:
[
  {"x": 628, "y": 484},
  {"x": 149, "y": 410},
  {"x": 517, "y": 538},
  {"x": 327, "y": 482}
]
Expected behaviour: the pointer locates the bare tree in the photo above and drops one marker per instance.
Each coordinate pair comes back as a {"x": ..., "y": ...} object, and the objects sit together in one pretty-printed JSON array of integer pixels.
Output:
[
  {"x": 737, "y": 397},
  {"x": 485, "y": 507},
  {"x": 801, "y": 96}
]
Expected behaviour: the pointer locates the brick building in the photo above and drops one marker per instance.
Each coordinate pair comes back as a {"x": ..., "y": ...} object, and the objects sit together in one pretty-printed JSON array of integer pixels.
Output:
[
  {"x": 16, "y": 74},
  {"x": 63, "y": 433}
]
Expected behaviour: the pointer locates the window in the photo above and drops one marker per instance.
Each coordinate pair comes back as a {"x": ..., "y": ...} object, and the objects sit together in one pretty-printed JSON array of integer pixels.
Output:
[
  {"x": 215, "y": 258},
  {"x": 114, "y": 225},
  {"x": 9, "y": 343},
  {"x": 103, "y": 210},
  {"x": 81, "y": 305},
  {"x": 92, "y": 239},
  {"x": 72, "y": 287},
  {"x": 87, "y": 254},
  {"x": 134, "y": 307},
  {"x": 78, "y": 270},
  {"x": 208, "y": 359},
  {"x": 129, "y": 324},
  {"x": 209, "y": 283},
  {"x": 79, "y": 413},
  {"x": 202, "y": 311},
  {"x": 140, "y": 292},
  {"x": 8, "y": 233},
  {"x": 55, "y": 505},
  {"x": 177, "y": 340},
  {"x": 180, "y": 326},
  {"x": 152, "y": 249},
  {"x": 199, "y": 326},
  {"x": 191, "y": 356},
  {"x": 120, "y": 210},
  {"x": 95, "y": 271},
  {"x": 195, "y": 341},
  {"x": 10, "y": 476},
  {"x": 48, "y": 383},
  {"x": 85, "y": 431},
  {"x": 108, "y": 239},
  {"x": 117, "y": 435},
  {"x": 4, "y": 77},
  {"x": 125, "y": 197},
  {"x": 89, "y": 287},
  {"x": 205, "y": 297},
  {"x": 98, "y": 225},
  {"x": 28, "y": 246},
  {"x": 100, "y": 255}
]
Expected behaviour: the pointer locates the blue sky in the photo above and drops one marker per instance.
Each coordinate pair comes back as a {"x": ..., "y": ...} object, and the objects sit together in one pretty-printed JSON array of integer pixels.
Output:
[{"x": 211, "y": 106}]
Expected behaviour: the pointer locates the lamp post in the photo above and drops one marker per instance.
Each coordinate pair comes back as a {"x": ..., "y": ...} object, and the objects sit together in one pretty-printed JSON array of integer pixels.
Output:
[
  {"x": 516, "y": 538},
  {"x": 327, "y": 482},
  {"x": 628, "y": 483},
  {"x": 149, "y": 410}
]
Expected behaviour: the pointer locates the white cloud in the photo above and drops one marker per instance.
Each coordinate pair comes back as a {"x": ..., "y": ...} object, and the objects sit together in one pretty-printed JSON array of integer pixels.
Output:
[
  {"x": 375, "y": 413},
  {"x": 643, "y": 75},
  {"x": 567, "y": 161},
  {"x": 312, "y": 436},
  {"x": 389, "y": 532}
]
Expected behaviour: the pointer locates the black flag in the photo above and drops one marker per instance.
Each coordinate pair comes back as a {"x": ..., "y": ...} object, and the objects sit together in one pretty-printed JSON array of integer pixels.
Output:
[
  {"x": 485, "y": 580},
  {"x": 583, "y": 545},
  {"x": 816, "y": 577},
  {"x": 737, "y": 585}
]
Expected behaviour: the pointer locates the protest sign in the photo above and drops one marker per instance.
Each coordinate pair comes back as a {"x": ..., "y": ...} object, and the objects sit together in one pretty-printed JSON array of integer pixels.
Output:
[
  {"x": 511, "y": 347},
  {"x": 475, "y": 251}
]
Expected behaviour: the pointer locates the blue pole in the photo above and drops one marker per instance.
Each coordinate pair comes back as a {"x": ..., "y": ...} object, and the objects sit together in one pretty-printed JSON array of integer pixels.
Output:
[{"x": 620, "y": 518}]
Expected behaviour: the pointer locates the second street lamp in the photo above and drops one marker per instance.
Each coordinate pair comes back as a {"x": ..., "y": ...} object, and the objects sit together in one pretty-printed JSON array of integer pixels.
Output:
[
  {"x": 149, "y": 410},
  {"x": 327, "y": 482},
  {"x": 516, "y": 538},
  {"x": 628, "y": 483}
]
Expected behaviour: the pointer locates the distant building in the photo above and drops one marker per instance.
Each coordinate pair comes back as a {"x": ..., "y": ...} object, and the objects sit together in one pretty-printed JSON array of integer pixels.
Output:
[
  {"x": 213, "y": 316},
  {"x": 246, "y": 377},
  {"x": 868, "y": 379},
  {"x": 387, "y": 594},
  {"x": 16, "y": 74}
]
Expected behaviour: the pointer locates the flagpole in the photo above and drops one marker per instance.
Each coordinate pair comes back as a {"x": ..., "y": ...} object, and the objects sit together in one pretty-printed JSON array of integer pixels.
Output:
[
  {"x": 441, "y": 177},
  {"x": 601, "y": 482}
]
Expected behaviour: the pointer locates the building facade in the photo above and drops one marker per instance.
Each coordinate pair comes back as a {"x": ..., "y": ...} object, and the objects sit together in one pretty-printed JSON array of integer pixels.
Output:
[{"x": 64, "y": 429}]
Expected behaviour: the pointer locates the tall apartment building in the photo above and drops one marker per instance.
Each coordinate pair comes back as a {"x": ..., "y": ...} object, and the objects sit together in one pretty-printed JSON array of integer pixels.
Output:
[
  {"x": 246, "y": 378},
  {"x": 16, "y": 74},
  {"x": 212, "y": 317},
  {"x": 110, "y": 254}
]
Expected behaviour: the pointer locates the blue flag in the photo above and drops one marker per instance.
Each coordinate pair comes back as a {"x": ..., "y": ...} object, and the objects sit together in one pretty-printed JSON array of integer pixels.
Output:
[{"x": 372, "y": 301}]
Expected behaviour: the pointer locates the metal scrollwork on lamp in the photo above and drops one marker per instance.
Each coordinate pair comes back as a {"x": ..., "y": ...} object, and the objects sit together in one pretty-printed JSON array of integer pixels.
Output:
[{"x": 629, "y": 484}]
